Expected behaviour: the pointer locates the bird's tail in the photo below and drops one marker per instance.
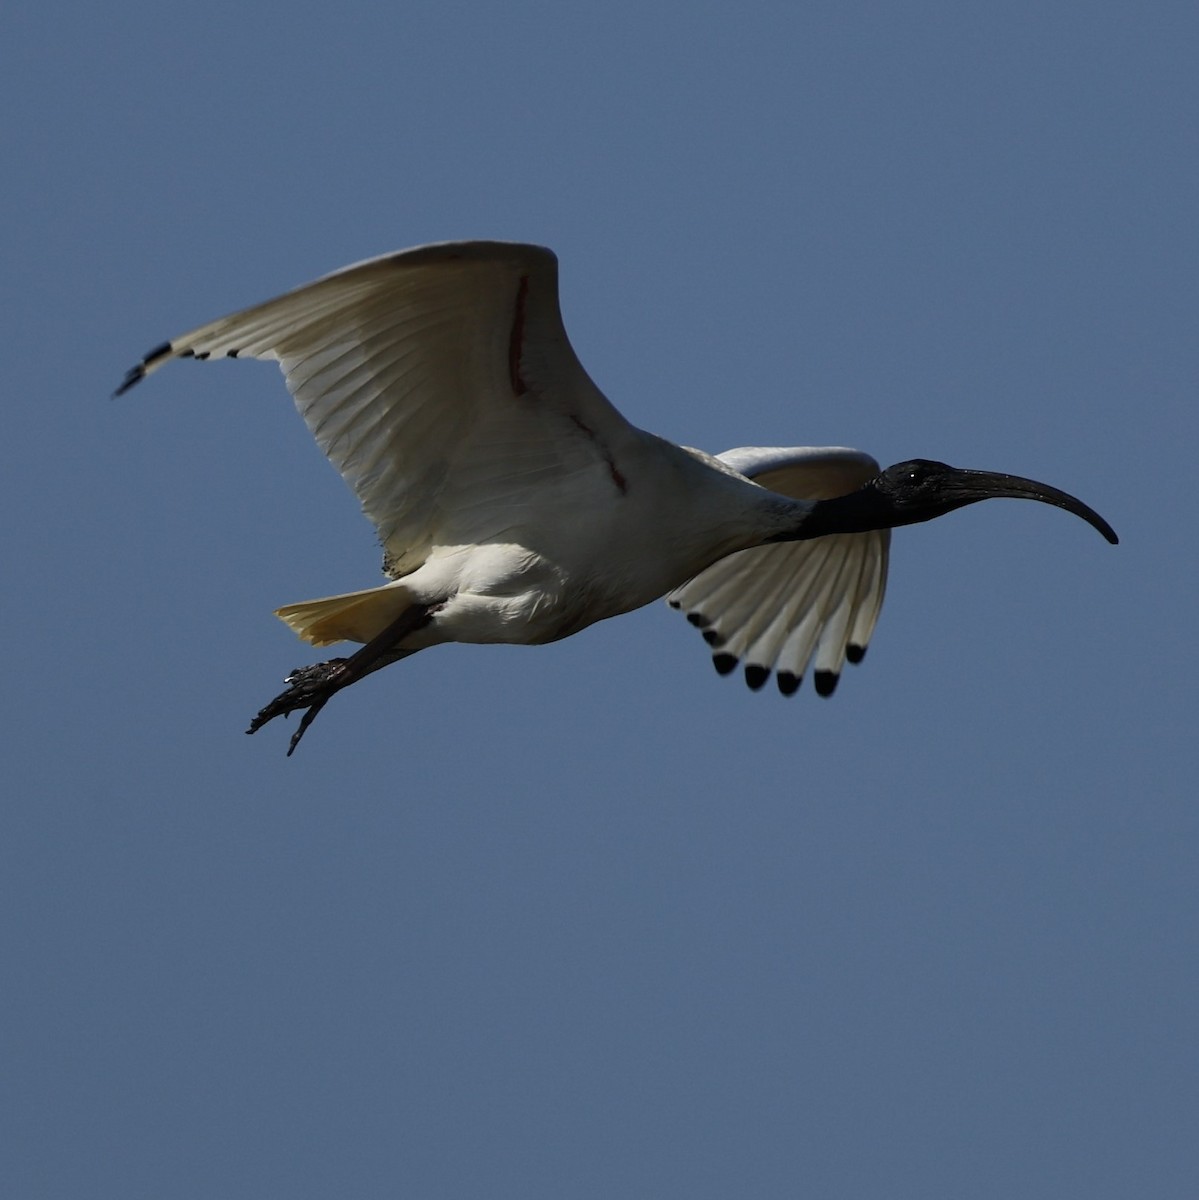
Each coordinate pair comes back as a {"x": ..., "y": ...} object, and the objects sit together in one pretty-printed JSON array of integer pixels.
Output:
[{"x": 352, "y": 617}]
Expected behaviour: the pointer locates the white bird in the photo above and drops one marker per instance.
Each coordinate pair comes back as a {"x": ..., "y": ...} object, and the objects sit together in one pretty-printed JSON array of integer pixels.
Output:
[{"x": 515, "y": 504}]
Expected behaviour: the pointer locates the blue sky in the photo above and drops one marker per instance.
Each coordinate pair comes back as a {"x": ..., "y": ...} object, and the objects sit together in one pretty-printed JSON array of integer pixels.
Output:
[{"x": 586, "y": 920}]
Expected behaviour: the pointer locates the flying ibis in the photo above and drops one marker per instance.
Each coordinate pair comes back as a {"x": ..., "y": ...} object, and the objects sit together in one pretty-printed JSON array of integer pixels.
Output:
[{"x": 514, "y": 503}]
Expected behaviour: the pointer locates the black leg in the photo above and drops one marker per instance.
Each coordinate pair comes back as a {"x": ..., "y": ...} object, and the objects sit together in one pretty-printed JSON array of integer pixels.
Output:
[{"x": 312, "y": 687}]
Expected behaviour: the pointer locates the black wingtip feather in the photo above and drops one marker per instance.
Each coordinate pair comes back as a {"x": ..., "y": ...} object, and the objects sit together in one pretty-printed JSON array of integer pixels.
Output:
[
  {"x": 788, "y": 682},
  {"x": 825, "y": 682},
  {"x": 756, "y": 675},
  {"x": 725, "y": 664},
  {"x": 132, "y": 376},
  {"x": 713, "y": 638},
  {"x": 855, "y": 654},
  {"x": 138, "y": 373}
]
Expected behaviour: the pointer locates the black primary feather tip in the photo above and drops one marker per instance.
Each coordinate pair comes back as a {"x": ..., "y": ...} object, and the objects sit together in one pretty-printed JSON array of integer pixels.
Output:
[
  {"x": 756, "y": 675},
  {"x": 825, "y": 682},
  {"x": 788, "y": 682},
  {"x": 138, "y": 373}
]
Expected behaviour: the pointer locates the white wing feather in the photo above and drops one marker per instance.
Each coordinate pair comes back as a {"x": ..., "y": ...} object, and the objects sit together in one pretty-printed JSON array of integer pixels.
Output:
[
  {"x": 441, "y": 384},
  {"x": 439, "y": 381},
  {"x": 781, "y": 607}
]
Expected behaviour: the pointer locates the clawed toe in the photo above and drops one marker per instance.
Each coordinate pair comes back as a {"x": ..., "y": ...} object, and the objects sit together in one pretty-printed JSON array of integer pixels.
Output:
[
  {"x": 311, "y": 687},
  {"x": 316, "y": 674}
]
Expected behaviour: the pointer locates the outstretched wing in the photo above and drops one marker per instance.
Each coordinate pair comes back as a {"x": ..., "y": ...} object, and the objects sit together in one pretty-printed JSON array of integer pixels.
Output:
[
  {"x": 779, "y": 607},
  {"x": 439, "y": 381}
]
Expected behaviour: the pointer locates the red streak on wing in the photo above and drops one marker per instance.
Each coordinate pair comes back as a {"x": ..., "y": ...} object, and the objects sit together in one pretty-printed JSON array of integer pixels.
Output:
[
  {"x": 622, "y": 484},
  {"x": 521, "y": 388},
  {"x": 516, "y": 339}
]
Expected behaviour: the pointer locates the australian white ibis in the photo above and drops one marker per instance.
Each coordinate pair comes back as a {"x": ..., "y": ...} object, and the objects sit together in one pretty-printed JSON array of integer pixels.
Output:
[{"x": 515, "y": 504}]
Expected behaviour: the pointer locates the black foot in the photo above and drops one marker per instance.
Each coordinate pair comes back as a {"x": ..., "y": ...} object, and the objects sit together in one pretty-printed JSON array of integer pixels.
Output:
[{"x": 311, "y": 687}]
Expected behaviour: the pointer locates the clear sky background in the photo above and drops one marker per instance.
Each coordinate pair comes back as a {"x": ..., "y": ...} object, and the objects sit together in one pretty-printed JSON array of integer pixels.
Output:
[{"x": 587, "y": 920}]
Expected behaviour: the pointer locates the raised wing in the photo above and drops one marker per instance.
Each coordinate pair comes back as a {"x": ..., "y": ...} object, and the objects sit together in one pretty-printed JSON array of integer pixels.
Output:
[
  {"x": 780, "y": 607},
  {"x": 439, "y": 381}
]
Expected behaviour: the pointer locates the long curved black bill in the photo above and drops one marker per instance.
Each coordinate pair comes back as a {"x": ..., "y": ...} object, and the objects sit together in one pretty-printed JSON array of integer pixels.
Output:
[{"x": 987, "y": 485}]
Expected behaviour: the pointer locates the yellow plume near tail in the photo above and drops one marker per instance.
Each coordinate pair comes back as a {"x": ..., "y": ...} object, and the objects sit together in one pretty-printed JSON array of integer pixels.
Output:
[{"x": 352, "y": 617}]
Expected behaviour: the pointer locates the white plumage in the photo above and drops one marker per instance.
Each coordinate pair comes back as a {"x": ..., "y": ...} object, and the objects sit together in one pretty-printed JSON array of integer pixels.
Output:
[
  {"x": 514, "y": 503},
  {"x": 772, "y": 606}
]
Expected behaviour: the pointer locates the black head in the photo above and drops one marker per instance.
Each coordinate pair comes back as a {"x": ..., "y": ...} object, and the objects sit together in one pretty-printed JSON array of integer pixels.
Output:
[{"x": 920, "y": 489}]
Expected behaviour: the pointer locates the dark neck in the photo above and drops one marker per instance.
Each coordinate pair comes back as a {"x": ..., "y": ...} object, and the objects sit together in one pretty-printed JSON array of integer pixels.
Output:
[{"x": 859, "y": 512}]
